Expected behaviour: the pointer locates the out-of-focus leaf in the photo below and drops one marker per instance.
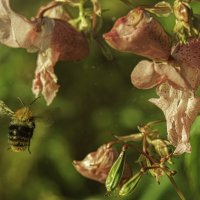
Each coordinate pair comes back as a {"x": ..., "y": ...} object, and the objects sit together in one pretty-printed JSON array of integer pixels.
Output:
[{"x": 192, "y": 160}]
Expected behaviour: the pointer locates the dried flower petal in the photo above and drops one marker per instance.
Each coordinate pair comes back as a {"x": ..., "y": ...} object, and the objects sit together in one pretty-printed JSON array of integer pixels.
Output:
[
  {"x": 12, "y": 33},
  {"x": 141, "y": 34},
  {"x": 177, "y": 100},
  {"x": 96, "y": 165},
  {"x": 180, "y": 109},
  {"x": 45, "y": 79}
]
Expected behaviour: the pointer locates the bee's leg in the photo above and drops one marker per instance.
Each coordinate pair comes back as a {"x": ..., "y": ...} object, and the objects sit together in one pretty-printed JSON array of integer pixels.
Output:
[
  {"x": 8, "y": 148},
  {"x": 29, "y": 143}
]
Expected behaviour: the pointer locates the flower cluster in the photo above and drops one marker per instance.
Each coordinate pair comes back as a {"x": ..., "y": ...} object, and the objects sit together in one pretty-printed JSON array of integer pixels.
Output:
[
  {"x": 174, "y": 70},
  {"x": 113, "y": 169}
]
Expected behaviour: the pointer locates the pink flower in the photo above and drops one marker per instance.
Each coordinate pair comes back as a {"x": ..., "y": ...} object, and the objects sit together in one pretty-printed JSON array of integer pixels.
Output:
[
  {"x": 53, "y": 39},
  {"x": 141, "y": 34},
  {"x": 176, "y": 76},
  {"x": 176, "y": 86}
]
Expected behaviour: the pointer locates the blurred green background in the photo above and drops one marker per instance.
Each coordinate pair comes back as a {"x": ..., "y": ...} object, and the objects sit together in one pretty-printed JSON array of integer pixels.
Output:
[{"x": 96, "y": 100}]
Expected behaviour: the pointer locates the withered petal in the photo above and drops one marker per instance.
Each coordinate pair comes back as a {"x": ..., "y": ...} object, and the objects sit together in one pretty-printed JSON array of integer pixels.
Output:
[
  {"x": 180, "y": 109},
  {"x": 141, "y": 34},
  {"x": 45, "y": 80}
]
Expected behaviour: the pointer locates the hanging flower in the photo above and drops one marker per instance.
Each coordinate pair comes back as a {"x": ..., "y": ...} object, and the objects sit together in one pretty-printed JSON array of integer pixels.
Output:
[
  {"x": 53, "y": 39},
  {"x": 141, "y": 34}
]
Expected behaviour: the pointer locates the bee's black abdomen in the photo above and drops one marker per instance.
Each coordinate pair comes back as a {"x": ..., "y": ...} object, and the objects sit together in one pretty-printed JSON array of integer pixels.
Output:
[
  {"x": 21, "y": 130},
  {"x": 19, "y": 136}
]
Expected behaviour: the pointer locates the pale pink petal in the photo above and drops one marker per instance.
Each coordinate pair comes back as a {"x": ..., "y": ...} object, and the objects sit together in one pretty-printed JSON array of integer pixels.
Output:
[
  {"x": 144, "y": 75},
  {"x": 14, "y": 28},
  {"x": 45, "y": 80},
  {"x": 147, "y": 74},
  {"x": 180, "y": 109}
]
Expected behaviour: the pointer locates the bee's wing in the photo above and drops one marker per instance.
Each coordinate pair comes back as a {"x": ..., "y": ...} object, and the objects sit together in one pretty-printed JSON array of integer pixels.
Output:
[{"x": 5, "y": 110}]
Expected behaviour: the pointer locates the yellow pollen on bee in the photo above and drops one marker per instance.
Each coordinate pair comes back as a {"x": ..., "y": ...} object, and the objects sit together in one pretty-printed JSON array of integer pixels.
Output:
[{"x": 23, "y": 114}]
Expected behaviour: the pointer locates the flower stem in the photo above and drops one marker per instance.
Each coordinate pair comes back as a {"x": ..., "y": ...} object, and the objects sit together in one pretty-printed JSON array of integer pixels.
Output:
[{"x": 180, "y": 194}]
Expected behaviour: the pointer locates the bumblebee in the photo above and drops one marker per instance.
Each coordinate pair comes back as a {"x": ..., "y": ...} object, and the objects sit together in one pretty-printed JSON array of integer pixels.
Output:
[{"x": 21, "y": 126}]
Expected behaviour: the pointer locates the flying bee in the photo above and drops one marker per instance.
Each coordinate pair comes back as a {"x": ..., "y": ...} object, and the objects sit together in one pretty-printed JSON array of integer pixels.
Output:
[{"x": 21, "y": 126}]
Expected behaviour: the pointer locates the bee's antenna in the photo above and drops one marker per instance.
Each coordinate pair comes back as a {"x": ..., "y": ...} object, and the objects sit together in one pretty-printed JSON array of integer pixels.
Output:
[
  {"x": 34, "y": 100},
  {"x": 21, "y": 101}
]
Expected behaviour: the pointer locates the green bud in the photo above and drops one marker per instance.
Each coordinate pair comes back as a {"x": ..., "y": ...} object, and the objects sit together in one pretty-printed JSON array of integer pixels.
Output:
[
  {"x": 130, "y": 185},
  {"x": 116, "y": 171},
  {"x": 161, "y": 147}
]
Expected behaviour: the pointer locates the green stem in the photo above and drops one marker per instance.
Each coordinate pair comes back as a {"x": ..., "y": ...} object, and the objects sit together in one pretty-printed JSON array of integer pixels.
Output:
[
  {"x": 155, "y": 122},
  {"x": 180, "y": 194}
]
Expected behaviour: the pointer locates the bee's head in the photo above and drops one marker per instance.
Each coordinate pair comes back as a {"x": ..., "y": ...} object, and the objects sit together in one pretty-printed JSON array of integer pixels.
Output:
[{"x": 24, "y": 114}]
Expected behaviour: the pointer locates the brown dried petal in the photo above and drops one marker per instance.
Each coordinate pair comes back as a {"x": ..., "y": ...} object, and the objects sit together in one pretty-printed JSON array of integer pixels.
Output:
[
  {"x": 96, "y": 165},
  {"x": 187, "y": 54},
  {"x": 141, "y": 34},
  {"x": 180, "y": 109},
  {"x": 68, "y": 42}
]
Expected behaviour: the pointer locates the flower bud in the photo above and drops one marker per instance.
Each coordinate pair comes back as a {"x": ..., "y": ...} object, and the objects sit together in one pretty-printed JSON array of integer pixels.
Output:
[
  {"x": 141, "y": 34},
  {"x": 116, "y": 171},
  {"x": 130, "y": 185},
  {"x": 161, "y": 147}
]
